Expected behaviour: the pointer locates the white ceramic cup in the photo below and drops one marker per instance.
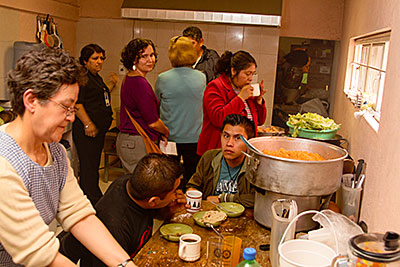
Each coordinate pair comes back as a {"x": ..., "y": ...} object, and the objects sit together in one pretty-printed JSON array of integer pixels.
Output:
[
  {"x": 189, "y": 247},
  {"x": 256, "y": 89},
  {"x": 193, "y": 198}
]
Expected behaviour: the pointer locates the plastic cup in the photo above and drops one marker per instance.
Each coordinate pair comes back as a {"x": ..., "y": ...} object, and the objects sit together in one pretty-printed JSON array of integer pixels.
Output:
[
  {"x": 348, "y": 200},
  {"x": 223, "y": 251}
]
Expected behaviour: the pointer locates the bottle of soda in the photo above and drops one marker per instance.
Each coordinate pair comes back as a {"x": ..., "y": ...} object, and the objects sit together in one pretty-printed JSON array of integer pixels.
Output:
[{"x": 249, "y": 256}]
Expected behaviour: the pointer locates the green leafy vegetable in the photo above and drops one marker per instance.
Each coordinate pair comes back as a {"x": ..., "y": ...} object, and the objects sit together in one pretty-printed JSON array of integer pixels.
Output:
[{"x": 311, "y": 121}]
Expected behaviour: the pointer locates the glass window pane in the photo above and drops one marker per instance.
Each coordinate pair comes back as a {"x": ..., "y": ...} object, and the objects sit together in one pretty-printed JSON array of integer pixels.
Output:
[
  {"x": 357, "y": 53},
  {"x": 376, "y": 55},
  {"x": 361, "y": 78},
  {"x": 380, "y": 93},
  {"x": 370, "y": 56},
  {"x": 364, "y": 54},
  {"x": 372, "y": 87},
  {"x": 355, "y": 74},
  {"x": 385, "y": 55}
]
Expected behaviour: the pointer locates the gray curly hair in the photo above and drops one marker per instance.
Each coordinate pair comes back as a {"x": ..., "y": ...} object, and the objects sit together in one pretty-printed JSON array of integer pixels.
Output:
[{"x": 44, "y": 72}]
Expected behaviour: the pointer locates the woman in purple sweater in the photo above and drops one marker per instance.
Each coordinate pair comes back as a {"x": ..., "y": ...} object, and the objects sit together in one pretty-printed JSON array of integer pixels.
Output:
[{"x": 137, "y": 96}]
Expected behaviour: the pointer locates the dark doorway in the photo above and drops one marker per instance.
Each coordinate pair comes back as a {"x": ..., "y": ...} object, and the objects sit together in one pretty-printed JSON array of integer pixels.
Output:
[{"x": 303, "y": 77}]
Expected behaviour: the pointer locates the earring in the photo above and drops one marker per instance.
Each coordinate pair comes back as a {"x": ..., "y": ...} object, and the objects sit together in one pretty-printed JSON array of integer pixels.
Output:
[{"x": 134, "y": 67}]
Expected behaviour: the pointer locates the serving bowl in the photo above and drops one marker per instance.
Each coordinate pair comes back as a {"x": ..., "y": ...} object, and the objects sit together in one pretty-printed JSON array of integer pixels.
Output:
[{"x": 313, "y": 134}]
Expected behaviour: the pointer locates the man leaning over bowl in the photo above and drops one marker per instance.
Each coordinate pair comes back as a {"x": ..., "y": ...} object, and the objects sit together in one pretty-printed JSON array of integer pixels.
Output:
[{"x": 221, "y": 173}]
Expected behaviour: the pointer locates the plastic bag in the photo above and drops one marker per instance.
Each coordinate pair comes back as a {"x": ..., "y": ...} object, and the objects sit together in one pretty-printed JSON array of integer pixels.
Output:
[
  {"x": 315, "y": 105},
  {"x": 343, "y": 227}
]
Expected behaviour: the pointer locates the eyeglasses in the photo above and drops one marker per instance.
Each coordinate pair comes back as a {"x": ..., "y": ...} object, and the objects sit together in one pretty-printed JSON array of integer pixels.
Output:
[{"x": 69, "y": 111}]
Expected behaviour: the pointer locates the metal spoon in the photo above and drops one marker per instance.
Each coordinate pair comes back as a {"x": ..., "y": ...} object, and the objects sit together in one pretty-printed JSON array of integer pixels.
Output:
[
  {"x": 212, "y": 227},
  {"x": 219, "y": 206}
]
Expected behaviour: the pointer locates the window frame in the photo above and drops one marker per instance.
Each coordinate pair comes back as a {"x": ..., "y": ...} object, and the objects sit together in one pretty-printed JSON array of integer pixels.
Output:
[{"x": 362, "y": 89}]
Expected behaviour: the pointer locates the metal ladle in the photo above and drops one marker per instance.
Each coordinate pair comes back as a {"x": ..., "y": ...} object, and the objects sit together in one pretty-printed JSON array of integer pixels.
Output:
[{"x": 249, "y": 145}]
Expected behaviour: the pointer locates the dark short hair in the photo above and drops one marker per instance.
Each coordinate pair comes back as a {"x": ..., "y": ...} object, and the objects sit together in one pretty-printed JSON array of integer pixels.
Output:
[
  {"x": 133, "y": 50},
  {"x": 239, "y": 120},
  {"x": 238, "y": 61},
  {"x": 44, "y": 72},
  {"x": 88, "y": 50},
  {"x": 181, "y": 52},
  {"x": 193, "y": 32},
  {"x": 154, "y": 175}
]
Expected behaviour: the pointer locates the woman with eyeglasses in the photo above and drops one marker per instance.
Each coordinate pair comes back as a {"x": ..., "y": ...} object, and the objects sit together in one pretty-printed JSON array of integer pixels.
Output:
[
  {"x": 94, "y": 119},
  {"x": 230, "y": 93},
  {"x": 137, "y": 97},
  {"x": 37, "y": 183}
]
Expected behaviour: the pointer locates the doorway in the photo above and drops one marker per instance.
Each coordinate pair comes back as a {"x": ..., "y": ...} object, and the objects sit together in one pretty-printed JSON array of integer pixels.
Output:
[{"x": 303, "y": 78}]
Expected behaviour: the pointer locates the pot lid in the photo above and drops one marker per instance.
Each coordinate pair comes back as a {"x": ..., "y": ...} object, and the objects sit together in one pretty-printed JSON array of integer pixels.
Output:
[{"x": 376, "y": 247}]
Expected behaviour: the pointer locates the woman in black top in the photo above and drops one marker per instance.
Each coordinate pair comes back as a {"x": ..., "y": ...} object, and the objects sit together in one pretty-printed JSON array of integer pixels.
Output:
[{"x": 94, "y": 119}]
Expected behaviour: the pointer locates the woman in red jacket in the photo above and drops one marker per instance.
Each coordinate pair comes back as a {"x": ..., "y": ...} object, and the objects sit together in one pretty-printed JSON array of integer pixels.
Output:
[{"x": 230, "y": 93}]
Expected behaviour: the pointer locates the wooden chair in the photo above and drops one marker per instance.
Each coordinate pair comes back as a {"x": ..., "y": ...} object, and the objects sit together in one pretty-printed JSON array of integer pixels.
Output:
[{"x": 109, "y": 150}]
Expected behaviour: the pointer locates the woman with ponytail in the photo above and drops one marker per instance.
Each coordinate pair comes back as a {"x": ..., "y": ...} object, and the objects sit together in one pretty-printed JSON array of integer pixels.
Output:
[{"x": 230, "y": 93}]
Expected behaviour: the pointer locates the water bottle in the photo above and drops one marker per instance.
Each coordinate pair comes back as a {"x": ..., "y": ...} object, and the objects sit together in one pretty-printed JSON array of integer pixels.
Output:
[{"x": 249, "y": 256}]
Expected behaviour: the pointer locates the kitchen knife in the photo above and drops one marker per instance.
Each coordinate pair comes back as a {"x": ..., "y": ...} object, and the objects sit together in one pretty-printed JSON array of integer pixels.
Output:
[{"x": 359, "y": 170}]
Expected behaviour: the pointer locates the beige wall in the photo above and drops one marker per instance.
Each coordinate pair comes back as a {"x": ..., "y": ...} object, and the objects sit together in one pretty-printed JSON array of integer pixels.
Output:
[
  {"x": 18, "y": 23},
  {"x": 100, "y": 8},
  {"x": 380, "y": 206},
  {"x": 313, "y": 19}
]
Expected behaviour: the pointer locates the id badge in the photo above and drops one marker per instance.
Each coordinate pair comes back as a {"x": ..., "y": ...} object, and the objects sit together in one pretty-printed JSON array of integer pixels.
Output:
[{"x": 106, "y": 99}]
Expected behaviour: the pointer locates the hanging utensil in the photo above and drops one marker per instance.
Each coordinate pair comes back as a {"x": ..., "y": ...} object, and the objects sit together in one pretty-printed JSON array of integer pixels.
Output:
[
  {"x": 54, "y": 35},
  {"x": 60, "y": 45},
  {"x": 39, "y": 29},
  {"x": 48, "y": 40},
  {"x": 43, "y": 34}
]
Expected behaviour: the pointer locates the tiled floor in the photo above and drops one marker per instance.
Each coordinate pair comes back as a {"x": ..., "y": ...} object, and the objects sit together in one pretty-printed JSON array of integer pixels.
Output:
[{"x": 112, "y": 175}]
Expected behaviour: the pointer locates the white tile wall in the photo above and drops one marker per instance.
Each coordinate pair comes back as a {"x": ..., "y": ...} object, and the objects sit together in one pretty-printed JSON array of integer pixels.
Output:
[
  {"x": 113, "y": 35},
  {"x": 233, "y": 38}
]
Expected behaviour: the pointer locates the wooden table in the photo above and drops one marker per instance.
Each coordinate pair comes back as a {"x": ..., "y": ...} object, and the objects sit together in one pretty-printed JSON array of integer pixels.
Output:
[{"x": 160, "y": 252}]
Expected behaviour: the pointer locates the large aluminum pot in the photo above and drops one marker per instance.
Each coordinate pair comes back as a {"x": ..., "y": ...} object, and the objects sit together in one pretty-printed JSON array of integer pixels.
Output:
[{"x": 296, "y": 177}]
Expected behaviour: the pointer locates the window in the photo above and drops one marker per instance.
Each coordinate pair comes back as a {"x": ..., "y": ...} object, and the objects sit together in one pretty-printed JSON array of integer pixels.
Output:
[{"x": 368, "y": 70}]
